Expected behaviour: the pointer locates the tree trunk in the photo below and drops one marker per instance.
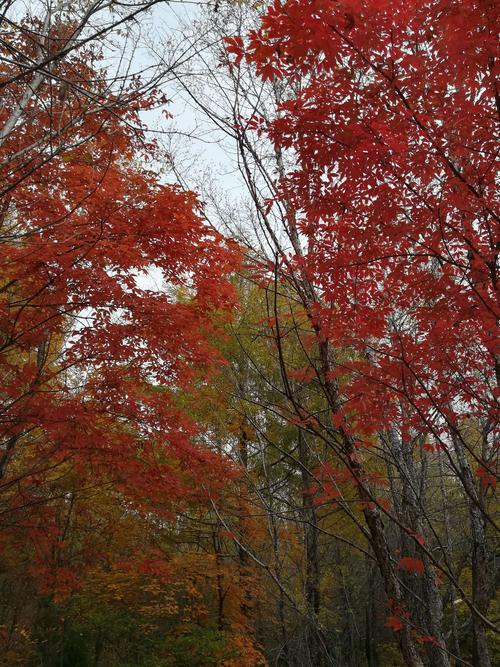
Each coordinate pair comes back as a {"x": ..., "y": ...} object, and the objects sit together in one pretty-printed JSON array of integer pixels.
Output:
[
  {"x": 314, "y": 639},
  {"x": 449, "y": 546},
  {"x": 371, "y": 653},
  {"x": 244, "y": 561},
  {"x": 480, "y": 565},
  {"x": 376, "y": 531},
  {"x": 411, "y": 517}
]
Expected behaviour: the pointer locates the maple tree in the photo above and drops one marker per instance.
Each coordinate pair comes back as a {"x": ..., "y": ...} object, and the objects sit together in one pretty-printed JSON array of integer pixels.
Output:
[
  {"x": 91, "y": 358},
  {"x": 391, "y": 113},
  {"x": 83, "y": 342}
]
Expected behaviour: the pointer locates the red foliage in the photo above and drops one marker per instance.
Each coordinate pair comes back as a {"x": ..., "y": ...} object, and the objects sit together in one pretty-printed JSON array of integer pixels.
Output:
[
  {"x": 92, "y": 354},
  {"x": 394, "y": 623},
  {"x": 486, "y": 478},
  {"x": 414, "y": 565},
  {"x": 394, "y": 134}
]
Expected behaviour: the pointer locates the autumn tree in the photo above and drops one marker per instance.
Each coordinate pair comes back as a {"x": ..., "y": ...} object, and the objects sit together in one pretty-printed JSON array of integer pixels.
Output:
[
  {"x": 393, "y": 132},
  {"x": 95, "y": 344}
]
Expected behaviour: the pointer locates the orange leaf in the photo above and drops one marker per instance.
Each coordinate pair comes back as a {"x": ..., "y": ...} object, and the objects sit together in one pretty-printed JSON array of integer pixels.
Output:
[
  {"x": 412, "y": 565},
  {"x": 394, "y": 622}
]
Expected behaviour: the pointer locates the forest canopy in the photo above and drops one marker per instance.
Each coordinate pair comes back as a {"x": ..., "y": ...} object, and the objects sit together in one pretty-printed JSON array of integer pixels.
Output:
[{"x": 249, "y": 361}]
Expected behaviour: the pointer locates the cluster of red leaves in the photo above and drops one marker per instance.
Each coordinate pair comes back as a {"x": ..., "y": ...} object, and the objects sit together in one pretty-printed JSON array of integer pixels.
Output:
[
  {"x": 394, "y": 132},
  {"x": 92, "y": 356},
  {"x": 414, "y": 565}
]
